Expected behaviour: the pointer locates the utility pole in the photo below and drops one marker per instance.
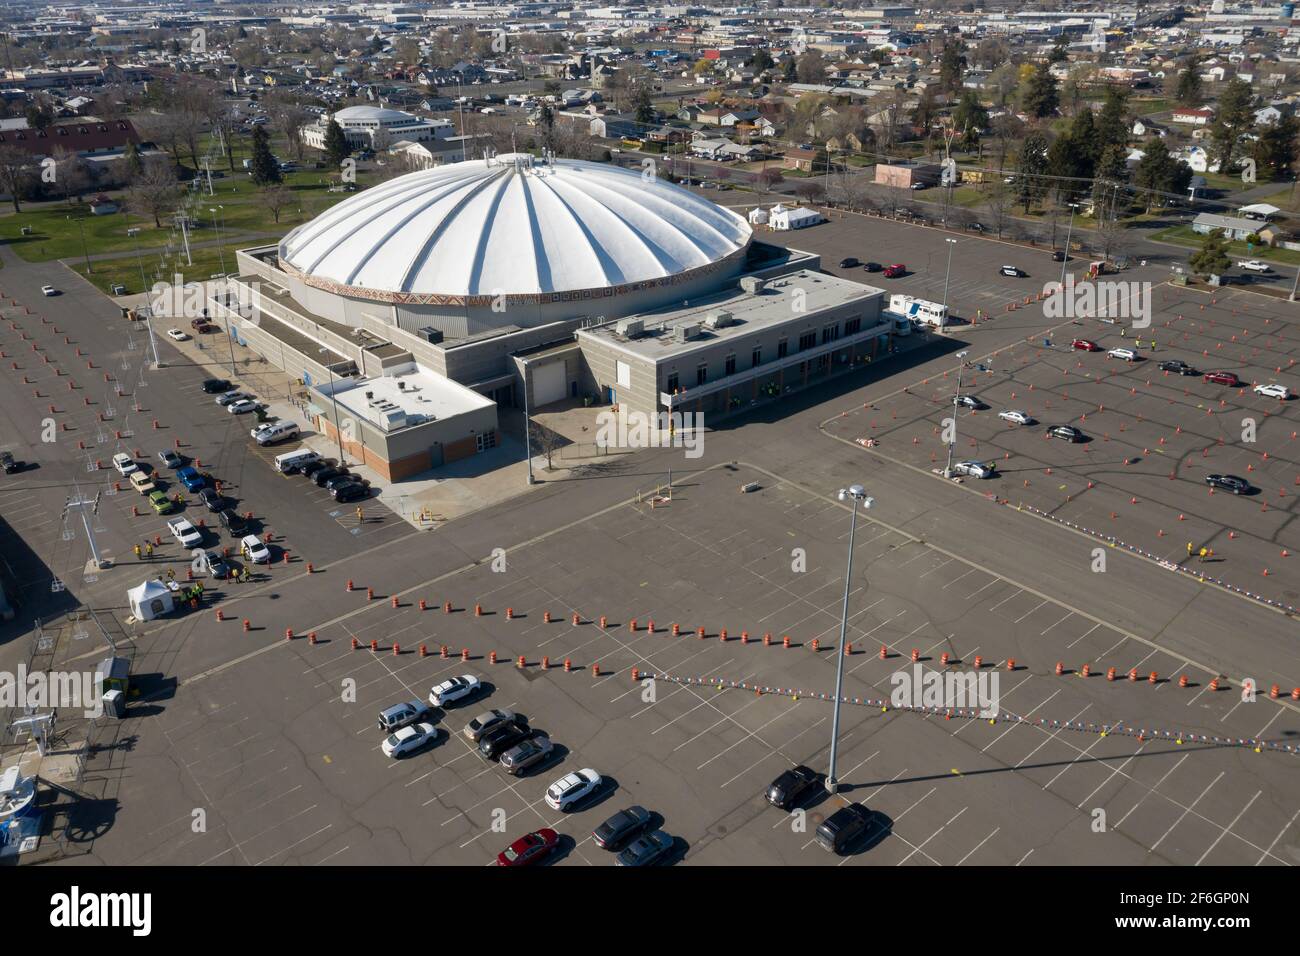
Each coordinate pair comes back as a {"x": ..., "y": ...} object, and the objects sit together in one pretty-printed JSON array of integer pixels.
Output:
[
  {"x": 81, "y": 503},
  {"x": 853, "y": 495},
  {"x": 947, "y": 471}
]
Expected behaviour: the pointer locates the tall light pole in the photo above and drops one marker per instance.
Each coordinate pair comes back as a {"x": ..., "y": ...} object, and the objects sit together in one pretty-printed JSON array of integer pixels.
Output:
[
  {"x": 1065, "y": 259},
  {"x": 946, "y": 276},
  {"x": 220, "y": 249},
  {"x": 528, "y": 431},
  {"x": 134, "y": 233},
  {"x": 1291, "y": 297},
  {"x": 956, "y": 397},
  {"x": 338, "y": 424},
  {"x": 853, "y": 494}
]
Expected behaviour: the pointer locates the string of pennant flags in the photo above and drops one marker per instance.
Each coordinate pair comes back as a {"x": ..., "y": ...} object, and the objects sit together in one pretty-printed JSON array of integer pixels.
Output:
[
  {"x": 1120, "y": 728},
  {"x": 1164, "y": 562}
]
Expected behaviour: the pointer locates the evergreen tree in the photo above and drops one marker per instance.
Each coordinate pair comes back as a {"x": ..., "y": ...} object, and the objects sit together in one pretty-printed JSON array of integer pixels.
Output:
[
  {"x": 1212, "y": 257},
  {"x": 1039, "y": 97},
  {"x": 644, "y": 108},
  {"x": 1188, "y": 92},
  {"x": 1157, "y": 172},
  {"x": 1112, "y": 121},
  {"x": 760, "y": 61},
  {"x": 264, "y": 168},
  {"x": 970, "y": 114},
  {"x": 1275, "y": 150},
  {"x": 950, "y": 66},
  {"x": 1233, "y": 118},
  {"x": 336, "y": 144},
  {"x": 1032, "y": 167}
]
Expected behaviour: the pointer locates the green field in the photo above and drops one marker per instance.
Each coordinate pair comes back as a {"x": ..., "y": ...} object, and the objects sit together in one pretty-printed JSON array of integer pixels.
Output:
[
  {"x": 1184, "y": 236},
  {"x": 57, "y": 228}
]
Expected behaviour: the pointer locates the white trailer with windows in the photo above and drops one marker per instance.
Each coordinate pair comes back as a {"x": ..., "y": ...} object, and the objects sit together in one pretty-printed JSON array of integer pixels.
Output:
[{"x": 919, "y": 310}]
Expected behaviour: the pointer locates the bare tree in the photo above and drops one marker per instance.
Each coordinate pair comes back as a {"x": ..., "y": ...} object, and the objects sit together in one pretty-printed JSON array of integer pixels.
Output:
[
  {"x": 15, "y": 172},
  {"x": 277, "y": 199},
  {"x": 998, "y": 202},
  {"x": 290, "y": 118},
  {"x": 154, "y": 192}
]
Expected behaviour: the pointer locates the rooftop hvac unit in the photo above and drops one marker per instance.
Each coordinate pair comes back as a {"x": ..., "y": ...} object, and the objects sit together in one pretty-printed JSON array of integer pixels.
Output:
[
  {"x": 718, "y": 319},
  {"x": 752, "y": 284},
  {"x": 686, "y": 332},
  {"x": 630, "y": 328},
  {"x": 431, "y": 335}
]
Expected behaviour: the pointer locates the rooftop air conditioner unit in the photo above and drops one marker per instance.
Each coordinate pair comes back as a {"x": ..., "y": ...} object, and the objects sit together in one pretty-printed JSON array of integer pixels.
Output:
[
  {"x": 718, "y": 319},
  {"x": 686, "y": 332},
  {"x": 630, "y": 328},
  {"x": 431, "y": 335},
  {"x": 752, "y": 284}
]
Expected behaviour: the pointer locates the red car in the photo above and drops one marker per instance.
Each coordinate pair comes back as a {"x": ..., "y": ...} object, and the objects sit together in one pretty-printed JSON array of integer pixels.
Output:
[
  {"x": 894, "y": 271},
  {"x": 1083, "y": 345},
  {"x": 1223, "y": 378},
  {"x": 529, "y": 849}
]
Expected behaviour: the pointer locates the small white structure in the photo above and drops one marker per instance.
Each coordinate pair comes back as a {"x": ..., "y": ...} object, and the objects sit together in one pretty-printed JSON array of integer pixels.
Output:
[
  {"x": 758, "y": 216},
  {"x": 150, "y": 599},
  {"x": 782, "y": 218}
]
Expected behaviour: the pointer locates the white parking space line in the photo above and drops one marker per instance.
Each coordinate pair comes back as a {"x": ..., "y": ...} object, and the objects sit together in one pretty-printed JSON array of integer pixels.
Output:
[
  {"x": 1228, "y": 828},
  {"x": 1027, "y": 613},
  {"x": 1014, "y": 594},
  {"x": 978, "y": 845},
  {"x": 1188, "y": 809},
  {"x": 1279, "y": 836},
  {"x": 917, "y": 849}
]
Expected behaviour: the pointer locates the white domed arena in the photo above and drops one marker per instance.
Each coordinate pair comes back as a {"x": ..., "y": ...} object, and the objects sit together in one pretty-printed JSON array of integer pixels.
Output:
[
  {"x": 475, "y": 246},
  {"x": 412, "y": 310}
]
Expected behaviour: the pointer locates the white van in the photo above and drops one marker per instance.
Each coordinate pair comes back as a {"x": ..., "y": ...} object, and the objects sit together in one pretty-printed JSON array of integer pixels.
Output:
[
  {"x": 274, "y": 432},
  {"x": 292, "y": 461}
]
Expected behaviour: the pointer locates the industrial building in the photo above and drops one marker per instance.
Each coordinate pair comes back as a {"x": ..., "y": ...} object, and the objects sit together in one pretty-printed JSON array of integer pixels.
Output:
[{"x": 414, "y": 310}]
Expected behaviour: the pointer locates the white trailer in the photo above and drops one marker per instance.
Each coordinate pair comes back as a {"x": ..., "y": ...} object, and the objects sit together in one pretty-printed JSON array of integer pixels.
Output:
[{"x": 919, "y": 310}]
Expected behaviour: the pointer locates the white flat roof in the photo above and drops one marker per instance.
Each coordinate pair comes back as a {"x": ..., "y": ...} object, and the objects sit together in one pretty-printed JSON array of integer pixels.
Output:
[{"x": 421, "y": 394}]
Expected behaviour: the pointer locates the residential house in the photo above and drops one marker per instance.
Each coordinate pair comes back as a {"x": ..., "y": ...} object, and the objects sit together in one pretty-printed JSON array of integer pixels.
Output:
[
  {"x": 1234, "y": 227},
  {"x": 1201, "y": 116}
]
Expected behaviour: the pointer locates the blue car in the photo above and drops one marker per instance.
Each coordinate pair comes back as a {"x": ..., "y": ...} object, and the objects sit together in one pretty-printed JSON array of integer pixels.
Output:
[{"x": 190, "y": 478}]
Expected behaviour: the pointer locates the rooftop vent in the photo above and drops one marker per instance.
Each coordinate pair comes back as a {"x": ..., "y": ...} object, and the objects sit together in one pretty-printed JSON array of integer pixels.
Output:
[{"x": 629, "y": 328}]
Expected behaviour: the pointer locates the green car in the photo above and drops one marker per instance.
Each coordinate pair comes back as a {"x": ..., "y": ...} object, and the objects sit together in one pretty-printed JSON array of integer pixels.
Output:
[{"x": 160, "y": 502}]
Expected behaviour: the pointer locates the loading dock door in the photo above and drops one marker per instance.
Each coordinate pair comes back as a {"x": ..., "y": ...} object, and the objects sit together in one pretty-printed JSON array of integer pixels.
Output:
[{"x": 548, "y": 384}]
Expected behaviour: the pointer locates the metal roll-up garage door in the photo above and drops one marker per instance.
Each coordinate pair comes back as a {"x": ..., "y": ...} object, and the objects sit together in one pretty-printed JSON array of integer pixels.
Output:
[{"x": 549, "y": 384}]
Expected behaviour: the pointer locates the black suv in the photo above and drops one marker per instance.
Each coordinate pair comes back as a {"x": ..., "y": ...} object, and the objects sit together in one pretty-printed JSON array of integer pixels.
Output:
[
  {"x": 843, "y": 827},
  {"x": 788, "y": 790},
  {"x": 849, "y": 263},
  {"x": 496, "y": 742},
  {"x": 216, "y": 386},
  {"x": 1176, "y": 365},
  {"x": 212, "y": 499},
  {"x": 233, "y": 522}
]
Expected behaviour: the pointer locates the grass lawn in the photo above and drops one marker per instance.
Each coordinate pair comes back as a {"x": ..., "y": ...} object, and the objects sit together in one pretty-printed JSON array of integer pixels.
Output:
[
  {"x": 1184, "y": 236},
  {"x": 57, "y": 228},
  {"x": 207, "y": 262}
]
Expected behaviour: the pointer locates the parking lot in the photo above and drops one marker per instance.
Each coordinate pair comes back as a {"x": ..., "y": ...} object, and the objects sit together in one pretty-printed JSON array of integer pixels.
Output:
[
  {"x": 1152, "y": 436},
  {"x": 79, "y": 374},
  {"x": 296, "y": 775}
]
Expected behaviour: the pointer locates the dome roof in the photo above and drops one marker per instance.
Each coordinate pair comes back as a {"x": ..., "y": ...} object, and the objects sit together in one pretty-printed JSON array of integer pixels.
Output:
[
  {"x": 373, "y": 114},
  {"x": 514, "y": 226}
]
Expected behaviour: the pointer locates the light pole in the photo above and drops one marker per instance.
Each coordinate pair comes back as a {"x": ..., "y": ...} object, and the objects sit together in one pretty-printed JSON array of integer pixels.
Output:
[
  {"x": 85, "y": 252},
  {"x": 1291, "y": 297},
  {"x": 220, "y": 250},
  {"x": 946, "y": 276},
  {"x": 1068, "y": 229},
  {"x": 338, "y": 425},
  {"x": 947, "y": 471},
  {"x": 853, "y": 494},
  {"x": 528, "y": 431},
  {"x": 134, "y": 233}
]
